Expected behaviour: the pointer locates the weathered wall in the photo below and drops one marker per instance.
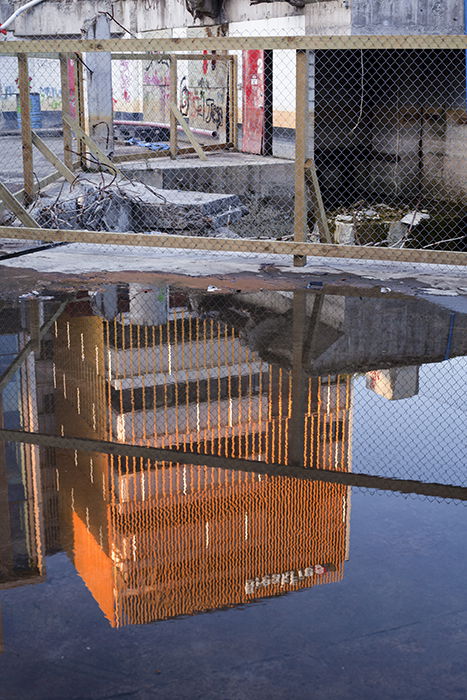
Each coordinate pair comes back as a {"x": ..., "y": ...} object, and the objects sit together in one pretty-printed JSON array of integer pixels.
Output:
[
  {"x": 329, "y": 17},
  {"x": 407, "y": 17}
]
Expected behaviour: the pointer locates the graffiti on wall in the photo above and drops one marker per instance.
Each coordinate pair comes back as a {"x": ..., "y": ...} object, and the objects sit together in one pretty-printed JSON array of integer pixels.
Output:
[
  {"x": 156, "y": 91},
  {"x": 197, "y": 106},
  {"x": 203, "y": 95}
]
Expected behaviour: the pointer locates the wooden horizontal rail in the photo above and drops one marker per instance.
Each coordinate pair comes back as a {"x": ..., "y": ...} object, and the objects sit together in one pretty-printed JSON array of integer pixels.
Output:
[
  {"x": 148, "y": 154},
  {"x": 160, "y": 454},
  {"x": 179, "y": 56},
  {"x": 432, "y": 41},
  {"x": 237, "y": 245}
]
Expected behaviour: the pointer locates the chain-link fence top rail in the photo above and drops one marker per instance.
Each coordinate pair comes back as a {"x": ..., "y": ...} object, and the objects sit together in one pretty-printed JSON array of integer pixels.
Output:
[
  {"x": 354, "y": 144},
  {"x": 273, "y": 383}
]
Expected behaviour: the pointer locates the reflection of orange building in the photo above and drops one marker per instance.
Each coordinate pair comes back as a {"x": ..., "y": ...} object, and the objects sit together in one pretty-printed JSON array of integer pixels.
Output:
[{"x": 153, "y": 540}]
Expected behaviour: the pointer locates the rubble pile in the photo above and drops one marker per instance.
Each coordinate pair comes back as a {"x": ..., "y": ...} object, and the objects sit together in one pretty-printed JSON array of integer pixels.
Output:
[{"x": 136, "y": 207}]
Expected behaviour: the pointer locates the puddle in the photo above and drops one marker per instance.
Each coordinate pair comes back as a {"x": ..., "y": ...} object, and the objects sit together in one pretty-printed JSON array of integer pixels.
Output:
[{"x": 155, "y": 488}]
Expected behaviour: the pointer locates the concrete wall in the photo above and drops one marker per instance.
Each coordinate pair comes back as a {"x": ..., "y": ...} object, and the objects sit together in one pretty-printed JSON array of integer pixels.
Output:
[
  {"x": 331, "y": 17},
  {"x": 407, "y": 17}
]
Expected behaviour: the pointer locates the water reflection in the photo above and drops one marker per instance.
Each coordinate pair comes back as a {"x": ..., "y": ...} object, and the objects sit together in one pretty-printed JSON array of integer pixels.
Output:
[{"x": 263, "y": 376}]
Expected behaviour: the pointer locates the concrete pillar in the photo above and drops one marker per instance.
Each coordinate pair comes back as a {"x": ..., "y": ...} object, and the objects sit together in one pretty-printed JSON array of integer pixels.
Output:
[
  {"x": 395, "y": 383},
  {"x": 99, "y": 86}
]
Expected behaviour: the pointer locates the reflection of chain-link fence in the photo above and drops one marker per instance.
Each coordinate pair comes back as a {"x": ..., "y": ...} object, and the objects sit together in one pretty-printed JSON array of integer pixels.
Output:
[
  {"x": 299, "y": 379},
  {"x": 354, "y": 142},
  {"x": 171, "y": 438}
]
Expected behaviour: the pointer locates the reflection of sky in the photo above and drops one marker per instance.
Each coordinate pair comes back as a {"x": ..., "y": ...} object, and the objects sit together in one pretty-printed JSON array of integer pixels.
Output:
[{"x": 423, "y": 437}]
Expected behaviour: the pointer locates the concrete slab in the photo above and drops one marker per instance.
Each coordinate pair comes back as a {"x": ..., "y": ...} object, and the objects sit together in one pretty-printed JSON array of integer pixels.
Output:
[
  {"x": 77, "y": 263},
  {"x": 229, "y": 173}
]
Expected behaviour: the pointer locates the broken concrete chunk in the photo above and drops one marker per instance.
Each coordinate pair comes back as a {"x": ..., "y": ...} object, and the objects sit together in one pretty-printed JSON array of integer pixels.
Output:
[
  {"x": 136, "y": 207},
  {"x": 413, "y": 218},
  {"x": 344, "y": 232}
]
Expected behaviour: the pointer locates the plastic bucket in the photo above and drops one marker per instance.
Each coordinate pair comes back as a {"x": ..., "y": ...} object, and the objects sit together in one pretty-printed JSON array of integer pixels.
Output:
[{"x": 35, "y": 107}]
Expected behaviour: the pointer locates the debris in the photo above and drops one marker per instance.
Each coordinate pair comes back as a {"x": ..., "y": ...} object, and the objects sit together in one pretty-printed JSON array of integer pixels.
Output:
[
  {"x": 385, "y": 290},
  {"x": 413, "y": 218},
  {"x": 440, "y": 292},
  {"x": 212, "y": 288},
  {"x": 100, "y": 205},
  {"x": 152, "y": 145},
  {"x": 314, "y": 283},
  {"x": 344, "y": 232}
]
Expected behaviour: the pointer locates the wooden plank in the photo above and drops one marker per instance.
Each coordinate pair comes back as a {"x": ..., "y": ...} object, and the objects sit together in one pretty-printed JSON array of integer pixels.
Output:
[
  {"x": 215, "y": 43},
  {"x": 147, "y": 154},
  {"x": 300, "y": 211},
  {"x": 95, "y": 150},
  {"x": 162, "y": 455},
  {"x": 156, "y": 56},
  {"x": 25, "y": 106},
  {"x": 32, "y": 345},
  {"x": 11, "y": 203},
  {"x": 311, "y": 179},
  {"x": 35, "y": 324},
  {"x": 299, "y": 386},
  {"x": 179, "y": 117},
  {"x": 67, "y": 135},
  {"x": 80, "y": 110},
  {"x": 48, "y": 180},
  {"x": 234, "y": 102},
  {"x": 237, "y": 245},
  {"x": 52, "y": 158},
  {"x": 173, "y": 100}
]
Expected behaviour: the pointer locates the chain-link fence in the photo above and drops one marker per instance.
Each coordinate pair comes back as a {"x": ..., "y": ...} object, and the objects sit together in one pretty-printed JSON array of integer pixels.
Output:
[{"x": 355, "y": 145}]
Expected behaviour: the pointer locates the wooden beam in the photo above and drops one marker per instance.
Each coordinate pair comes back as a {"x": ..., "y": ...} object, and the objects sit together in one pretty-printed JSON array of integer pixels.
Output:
[
  {"x": 80, "y": 110},
  {"x": 173, "y": 100},
  {"x": 145, "y": 56},
  {"x": 311, "y": 179},
  {"x": 48, "y": 180},
  {"x": 11, "y": 203},
  {"x": 179, "y": 117},
  {"x": 52, "y": 158},
  {"x": 95, "y": 150},
  {"x": 215, "y": 43},
  {"x": 300, "y": 210},
  {"x": 26, "y": 142},
  {"x": 32, "y": 345},
  {"x": 234, "y": 102},
  {"x": 239, "y": 245},
  {"x": 148, "y": 155},
  {"x": 67, "y": 135},
  {"x": 163, "y": 455}
]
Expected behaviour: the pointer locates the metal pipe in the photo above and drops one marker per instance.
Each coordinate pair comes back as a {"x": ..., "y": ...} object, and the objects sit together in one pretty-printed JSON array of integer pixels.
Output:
[
  {"x": 160, "y": 125},
  {"x": 17, "y": 12}
]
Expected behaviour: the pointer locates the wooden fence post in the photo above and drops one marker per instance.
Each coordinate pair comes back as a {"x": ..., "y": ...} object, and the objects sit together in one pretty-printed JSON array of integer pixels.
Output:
[
  {"x": 300, "y": 209},
  {"x": 173, "y": 101},
  {"x": 26, "y": 138},
  {"x": 67, "y": 135},
  {"x": 80, "y": 112}
]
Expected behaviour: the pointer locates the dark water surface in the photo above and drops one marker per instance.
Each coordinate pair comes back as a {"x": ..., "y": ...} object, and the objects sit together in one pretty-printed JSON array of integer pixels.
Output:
[{"x": 130, "y": 576}]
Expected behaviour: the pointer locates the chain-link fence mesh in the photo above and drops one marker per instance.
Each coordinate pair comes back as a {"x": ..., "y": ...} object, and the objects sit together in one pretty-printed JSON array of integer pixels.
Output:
[{"x": 348, "y": 146}]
